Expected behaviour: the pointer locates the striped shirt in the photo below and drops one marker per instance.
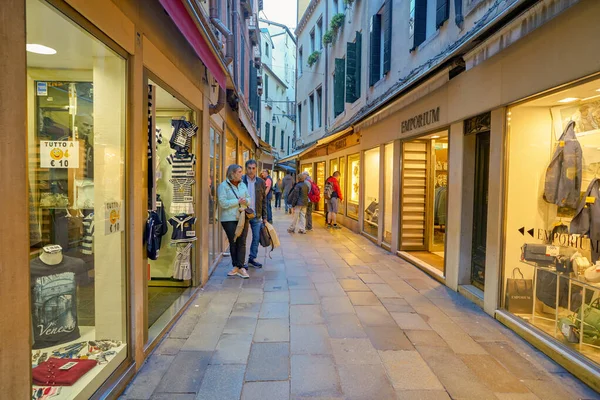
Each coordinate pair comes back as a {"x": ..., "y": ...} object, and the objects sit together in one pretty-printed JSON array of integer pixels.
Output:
[
  {"x": 181, "y": 138},
  {"x": 182, "y": 190},
  {"x": 183, "y": 164},
  {"x": 87, "y": 245}
]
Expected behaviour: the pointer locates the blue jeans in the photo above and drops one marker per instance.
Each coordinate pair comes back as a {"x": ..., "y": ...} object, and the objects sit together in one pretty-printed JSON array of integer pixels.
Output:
[
  {"x": 285, "y": 202},
  {"x": 255, "y": 225},
  {"x": 269, "y": 208}
]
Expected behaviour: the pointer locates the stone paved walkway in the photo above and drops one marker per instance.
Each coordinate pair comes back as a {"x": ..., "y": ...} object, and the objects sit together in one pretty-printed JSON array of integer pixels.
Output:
[{"x": 332, "y": 316}]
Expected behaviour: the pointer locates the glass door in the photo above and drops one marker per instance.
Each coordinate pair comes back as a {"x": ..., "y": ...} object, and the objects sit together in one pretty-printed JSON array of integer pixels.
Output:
[{"x": 320, "y": 181}]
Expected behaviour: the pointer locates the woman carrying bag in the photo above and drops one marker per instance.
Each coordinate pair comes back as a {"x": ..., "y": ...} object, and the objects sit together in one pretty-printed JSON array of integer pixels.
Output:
[{"x": 233, "y": 199}]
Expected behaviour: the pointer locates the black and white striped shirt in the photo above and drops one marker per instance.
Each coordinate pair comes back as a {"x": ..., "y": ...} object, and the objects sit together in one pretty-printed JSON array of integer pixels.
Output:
[
  {"x": 183, "y": 165},
  {"x": 182, "y": 190}
]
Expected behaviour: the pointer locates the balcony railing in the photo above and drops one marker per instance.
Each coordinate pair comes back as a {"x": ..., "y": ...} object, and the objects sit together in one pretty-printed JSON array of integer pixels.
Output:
[{"x": 253, "y": 29}]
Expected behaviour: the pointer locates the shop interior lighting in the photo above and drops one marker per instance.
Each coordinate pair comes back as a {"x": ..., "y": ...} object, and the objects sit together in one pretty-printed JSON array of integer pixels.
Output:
[
  {"x": 568, "y": 100},
  {"x": 591, "y": 97},
  {"x": 435, "y": 137},
  {"x": 40, "y": 49}
]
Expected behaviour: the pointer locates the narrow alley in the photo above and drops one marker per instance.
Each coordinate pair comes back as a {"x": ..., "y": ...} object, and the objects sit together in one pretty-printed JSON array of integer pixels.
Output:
[{"x": 332, "y": 316}]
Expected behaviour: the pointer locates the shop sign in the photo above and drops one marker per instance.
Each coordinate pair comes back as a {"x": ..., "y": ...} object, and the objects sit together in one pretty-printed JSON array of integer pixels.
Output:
[
  {"x": 316, "y": 153},
  {"x": 113, "y": 222},
  {"x": 422, "y": 120},
  {"x": 562, "y": 239},
  {"x": 341, "y": 144},
  {"x": 42, "y": 88},
  {"x": 59, "y": 154}
]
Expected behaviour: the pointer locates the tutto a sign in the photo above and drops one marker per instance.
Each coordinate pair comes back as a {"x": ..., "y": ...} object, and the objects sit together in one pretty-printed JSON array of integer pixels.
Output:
[
  {"x": 113, "y": 215},
  {"x": 341, "y": 144},
  {"x": 422, "y": 120},
  {"x": 59, "y": 154}
]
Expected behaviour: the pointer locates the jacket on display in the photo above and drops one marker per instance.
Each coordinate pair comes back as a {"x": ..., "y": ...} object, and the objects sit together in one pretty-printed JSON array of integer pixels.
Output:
[
  {"x": 562, "y": 185},
  {"x": 260, "y": 197},
  {"x": 587, "y": 219}
]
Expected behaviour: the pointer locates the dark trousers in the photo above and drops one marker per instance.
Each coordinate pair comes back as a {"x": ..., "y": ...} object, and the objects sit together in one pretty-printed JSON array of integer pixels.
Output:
[
  {"x": 237, "y": 248},
  {"x": 269, "y": 208},
  {"x": 278, "y": 200},
  {"x": 309, "y": 210}
]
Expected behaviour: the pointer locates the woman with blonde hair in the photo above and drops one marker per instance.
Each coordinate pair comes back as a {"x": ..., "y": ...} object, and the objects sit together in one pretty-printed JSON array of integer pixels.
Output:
[{"x": 233, "y": 195}]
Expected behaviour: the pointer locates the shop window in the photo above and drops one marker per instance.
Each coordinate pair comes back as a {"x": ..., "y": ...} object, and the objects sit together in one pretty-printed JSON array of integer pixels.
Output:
[
  {"x": 372, "y": 200},
  {"x": 76, "y": 109},
  {"x": 307, "y": 168},
  {"x": 353, "y": 192},
  {"x": 231, "y": 148},
  {"x": 342, "y": 170},
  {"x": 319, "y": 179},
  {"x": 551, "y": 278},
  {"x": 388, "y": 192},
  {"x": 424, "y": 199}
]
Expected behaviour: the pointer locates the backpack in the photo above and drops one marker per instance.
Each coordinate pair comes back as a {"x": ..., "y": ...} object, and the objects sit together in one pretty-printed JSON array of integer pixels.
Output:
[
  {"x": 265, "y": 237},
  {"x": 328, "y": 190},
  {"x": 315, "y": 193},
  {"x": 293, "y": 195}
]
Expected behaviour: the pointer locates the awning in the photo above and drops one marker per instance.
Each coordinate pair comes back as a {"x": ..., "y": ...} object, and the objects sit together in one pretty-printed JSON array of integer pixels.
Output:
[
  {"x": 285, "y": 168},
  {"x": 188, "y": 28},
  {"x": 291, "y": 156}
]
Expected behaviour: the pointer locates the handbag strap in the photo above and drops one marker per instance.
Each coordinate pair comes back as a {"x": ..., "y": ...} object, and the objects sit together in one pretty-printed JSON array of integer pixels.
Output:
[
  {"x": 519, "y": 271},
  {"x": 231, "y": 187}
]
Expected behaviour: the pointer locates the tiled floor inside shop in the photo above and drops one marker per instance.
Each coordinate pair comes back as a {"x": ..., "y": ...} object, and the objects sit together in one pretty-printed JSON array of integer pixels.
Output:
[{"x": 332, "y": 316}]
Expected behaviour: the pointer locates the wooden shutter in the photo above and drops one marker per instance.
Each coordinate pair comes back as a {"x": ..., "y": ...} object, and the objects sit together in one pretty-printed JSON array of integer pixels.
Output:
[
  {"x": 414, "y": 195},
  {"x": 266, "y": 86},
  {"x": 338, "y": 86},
  {"x": 253, "y": 83},
  {"x": 358, "y": 70},
  {"x": 351, "y": 73},
  {"x": 267, "y": 131},
  {"x": 374, "y": 73},
  {"x": 442, "y": 12},
  {"x": 420, "y": 22},
  {"x": 387, "y": 36}
]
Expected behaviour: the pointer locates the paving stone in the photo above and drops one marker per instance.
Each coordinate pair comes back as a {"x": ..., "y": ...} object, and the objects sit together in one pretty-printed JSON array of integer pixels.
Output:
[
  {"x": 354, "y": 352},
  {"x": 275, "y": 310},
  {"x": 370, "y": 278},
  {"x": 149, "y": 377},
  {"x": 388, "y": 338},
  {"x": 426, "y": 338},
  {"x": 383, "y": 290},
  {"x": 299, "y": 283},
  {"x": 304, "y": 297},
  {"x": 410, "y": 321},
  {"x": 494, "y": 375},
  {"x": 240, "y": 325},
  {"x": 266, "y": 390},
  {"x": 277, "y": 297},
  {"x": 184, "y": 327},
  {"x": 547, "y": 390},
  {"x": 310, "y": 339},
  {"x": 272, "y": 330},
  {"x": 170, "y": 346},
  {"x": 222, "y": 382},
  {"x": 344, "y": 273},
  {"x": 336, "y": 305},
  {"x": 172, "y": 396},
  {"x": 513, "y": 361},
  {"x": 408, "y": 371},
  {"x": 232, "y": 349},
  {"x": 361, "y": 269},
  {"x": 345, "y": 326},
  {"x": 294, "y": 272},
  {"x": 306, "y": 315},
  {"x": 250, "y": 296},
  {"x": 246, "y": 310},
  {"x": 269, "y": 362},
  {"x": 275, "y": 276},
  {"x": 396, "y": 283},
  {"x": 365, "y": 382},
  {"x": 330, "y": 289},
  {"x": 314, "y": 376},
  {"x": 204, "y": 337},
  {"x": 397, "y": 305},
  {"x": 185, "y": 372},
  {"x": 423, "y": 395},
  {"x": 363, "y": 299},
  {"x": 322, "y": 277},
  {"x": 516, "y": 396},
  {"x": 374, "y": 316},
  {"x": 354, "y": 285},
  {"x": 273, "y": 286}
]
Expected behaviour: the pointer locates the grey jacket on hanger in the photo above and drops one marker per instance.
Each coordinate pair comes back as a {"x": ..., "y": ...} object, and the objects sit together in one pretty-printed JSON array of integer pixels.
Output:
[
  {"x": 587, "y": 219},
  {"x": 563, "y": 176}
]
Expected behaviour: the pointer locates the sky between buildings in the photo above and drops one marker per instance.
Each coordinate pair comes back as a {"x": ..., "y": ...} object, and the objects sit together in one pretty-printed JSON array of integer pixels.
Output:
[{"x": 282, "y": 11}]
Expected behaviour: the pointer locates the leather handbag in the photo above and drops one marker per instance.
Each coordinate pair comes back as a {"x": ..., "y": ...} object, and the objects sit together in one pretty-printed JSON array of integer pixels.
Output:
[
  {"x": 250, "y": 214},
  {"x": 537, "y": 253},
  {"x": 519, "y": 294}
]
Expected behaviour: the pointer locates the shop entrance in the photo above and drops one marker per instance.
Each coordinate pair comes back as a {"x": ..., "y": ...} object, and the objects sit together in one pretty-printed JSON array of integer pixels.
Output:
[
  {"x": 480, "y": 206},
  {"x": 320, "y": 181},
  {"x": 424, "y": 199}
]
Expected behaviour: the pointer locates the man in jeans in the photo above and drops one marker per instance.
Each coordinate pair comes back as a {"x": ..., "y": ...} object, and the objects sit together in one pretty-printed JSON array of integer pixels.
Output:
[
  {"x": 257, "y": 189},
  {"x": 332, "y": 184},
  {"x": 288, "y": 183},
  {"x": 269, "y": 193},
  {"x": 299, "y": 200},
  {"x": 309, "y": 205}
]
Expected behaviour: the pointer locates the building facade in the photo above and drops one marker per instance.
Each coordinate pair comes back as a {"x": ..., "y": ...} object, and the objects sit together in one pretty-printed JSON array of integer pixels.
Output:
[
  {"x": 123, "y": 120},
  {"x": 451, "y": 159}
]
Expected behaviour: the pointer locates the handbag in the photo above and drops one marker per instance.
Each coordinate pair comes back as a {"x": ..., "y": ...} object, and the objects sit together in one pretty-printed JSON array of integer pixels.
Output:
[
  {"x": 592, "y": 274},
  {"x": 264, "y": 237},
  {"x": 537, "y": 253},
  {"x": 519, "y": 294},
  {"x": 563, "y": 264},
  {"x": 250, "y": 214},
  {"x": 570, "y": 326}
]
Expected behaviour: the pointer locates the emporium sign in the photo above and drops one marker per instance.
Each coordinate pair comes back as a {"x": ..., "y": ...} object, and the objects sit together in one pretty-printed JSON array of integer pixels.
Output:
[{"x": 421, "y": 120}]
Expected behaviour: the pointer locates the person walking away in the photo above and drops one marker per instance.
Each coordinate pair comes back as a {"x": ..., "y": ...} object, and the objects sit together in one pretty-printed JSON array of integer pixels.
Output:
[
  {"x": 287, "y": 183},
  {"x": 233, "y": 194},
  {"x": 314, "y": 196},
  {"x": 269, "y": 182},
  {"x": 258, "y": 202},
  {"x": 333, "y": 195},
  {"x": 277, "y": 190},
  {"x": 299, "y": 200}
]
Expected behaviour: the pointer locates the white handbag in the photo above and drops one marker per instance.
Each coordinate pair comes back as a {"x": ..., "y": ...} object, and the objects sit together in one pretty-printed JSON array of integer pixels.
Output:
[
  {"x": 592, "y": 274},
  {"x": 580, "y": 264}
]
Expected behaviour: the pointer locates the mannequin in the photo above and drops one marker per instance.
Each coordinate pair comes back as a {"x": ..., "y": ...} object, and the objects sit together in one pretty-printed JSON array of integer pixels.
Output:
[{"x": 51, "y": 255}]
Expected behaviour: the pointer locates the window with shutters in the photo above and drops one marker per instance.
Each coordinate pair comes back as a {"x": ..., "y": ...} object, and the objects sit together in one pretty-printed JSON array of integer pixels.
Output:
[
  {"x": 380, "y": 43},
  {"x": 243, "y": 64},
  {"x": 353, "y": 69},
  {"x": 267, "y": 49},
  {"x": 339, "y": 86},
  {"x": 288, "y": 145},
  {"x": 311, "y": 112},
  {"x": 319, "y": 38},
  {"x": 266, "y": 86},
  {"x": 418, "y": 22},
  {"x": 442, "y": 12},
  {"x": 281, "y": 141},
  {"x": 300, "y": 61},
  {"x": 319, "y": 106},
  {"x": 312, "y": 41},
  {"x": 274, "y": 130},
  {"x": 299, "y": 119},
  {"x": 267, "y": 131}
]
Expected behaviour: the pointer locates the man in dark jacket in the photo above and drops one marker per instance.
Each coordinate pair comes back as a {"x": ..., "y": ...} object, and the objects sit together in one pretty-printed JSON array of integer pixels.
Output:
[
  {"x": 288, "y": 182},
  {"x": 258, "y": 202},
  {"x": 299, "y": 196}
]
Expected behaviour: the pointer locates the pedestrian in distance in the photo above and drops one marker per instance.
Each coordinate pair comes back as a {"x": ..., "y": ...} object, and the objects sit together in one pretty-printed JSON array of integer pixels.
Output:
[
  {"x": 298, "y": 199},
  {"x": 269, "y": 182},
  {"x": 257, "y": 189},
  {"x": 287, "y": 183},
  {"x": 333, "y": 195},
  {"x": 278, "y": 189},
  {"x": 233, "y": 195},
  {"x": 314, "y": 196}
]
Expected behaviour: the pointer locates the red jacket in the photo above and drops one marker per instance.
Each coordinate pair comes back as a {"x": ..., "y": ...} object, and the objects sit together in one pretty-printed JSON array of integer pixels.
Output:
[{"x": 336, "y": 187}]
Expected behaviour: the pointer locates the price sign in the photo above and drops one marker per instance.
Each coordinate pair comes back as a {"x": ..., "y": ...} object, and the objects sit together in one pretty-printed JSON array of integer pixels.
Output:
[
  {"x": 113, "y": 217},
  {"x": 59, "y": 154}
]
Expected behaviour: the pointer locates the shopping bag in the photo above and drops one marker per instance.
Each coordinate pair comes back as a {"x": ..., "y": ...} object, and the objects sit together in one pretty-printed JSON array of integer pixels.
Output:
[{"x": 519, "y": 294}]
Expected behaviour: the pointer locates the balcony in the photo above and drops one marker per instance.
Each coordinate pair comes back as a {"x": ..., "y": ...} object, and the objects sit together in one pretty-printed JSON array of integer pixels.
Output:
[
  {"x": 246, "y": 6},
  {"x": 253, "y": 30}
]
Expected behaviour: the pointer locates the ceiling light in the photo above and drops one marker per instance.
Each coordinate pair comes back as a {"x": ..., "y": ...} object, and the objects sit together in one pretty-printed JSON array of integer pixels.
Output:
[
  {"x": 435, "y": 137},
  {"x": 568, "y": 100},
  {"x": 40, "y": 49}
]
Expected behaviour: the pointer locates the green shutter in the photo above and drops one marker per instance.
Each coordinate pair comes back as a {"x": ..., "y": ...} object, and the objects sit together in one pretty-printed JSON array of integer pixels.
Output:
[
  {"x": 267, "y": 131},
  {"x": 375, "y": 49},
  {"x": 266, "y": 86},
  {"x": 387, "y": 36},
  {"x": 358, "y": 71},
  {"x": 420, "y": 23},
  {"x": 273, "y": 143},
  {"x": 350, "y": 72},
  {"x": 338, "y": 86},
  {"x": 442, "y": 12}
]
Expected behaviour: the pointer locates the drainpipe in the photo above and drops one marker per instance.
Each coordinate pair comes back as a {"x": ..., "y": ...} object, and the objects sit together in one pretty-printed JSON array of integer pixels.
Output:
[
  {"x": 326, "y": 79},
  {"x": 218, "y": 106},
  {"x": 214, "y": 18}
]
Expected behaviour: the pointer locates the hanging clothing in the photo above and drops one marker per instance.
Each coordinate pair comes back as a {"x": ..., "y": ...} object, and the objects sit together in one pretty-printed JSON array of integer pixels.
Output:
[
  {"x": 587, "y": 219},
  {"x": 183, "y": 200},
  {"x": 562, "y": 185},
  {"x": 183, "y": 165},
  {"x": 183, "y": 228},
  {"x": 439, "y": 205},
  {"x": 181, "y": 137},
  {"x": 182, "y": 267},
  {"x": 87, "y": 245}
]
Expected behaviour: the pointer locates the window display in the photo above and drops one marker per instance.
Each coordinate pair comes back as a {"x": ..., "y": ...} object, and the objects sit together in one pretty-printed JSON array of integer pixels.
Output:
[
  {"x": 388, "y": 182},
  {"x": 320, "y": 181},
  {"x": 230, "y": 150},
  {"x": 552, "y": 271},
  {"x": 353, "y": 185},
  {"x": 307, "y": 168},
  {"x": 371, "y": 215},
  {"x": 342, "y": 170},
  {"x": 76, "y": 119}
]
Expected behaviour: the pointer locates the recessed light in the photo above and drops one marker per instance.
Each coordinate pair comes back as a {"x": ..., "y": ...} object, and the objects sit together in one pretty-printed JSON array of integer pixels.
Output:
[
  {"x": 568, "y": 100},
  {"x": 435, "y": 137},
  {"x": 40, "y": 49}
]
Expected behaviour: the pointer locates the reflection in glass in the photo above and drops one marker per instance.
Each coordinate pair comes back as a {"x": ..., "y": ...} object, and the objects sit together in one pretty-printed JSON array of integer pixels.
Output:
[
  {"x": 342, "y": 171},
  {"x": 388, "y": 188},
  {"x": 353, "y": 185},
  {"x": 371, "y": 214}
]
